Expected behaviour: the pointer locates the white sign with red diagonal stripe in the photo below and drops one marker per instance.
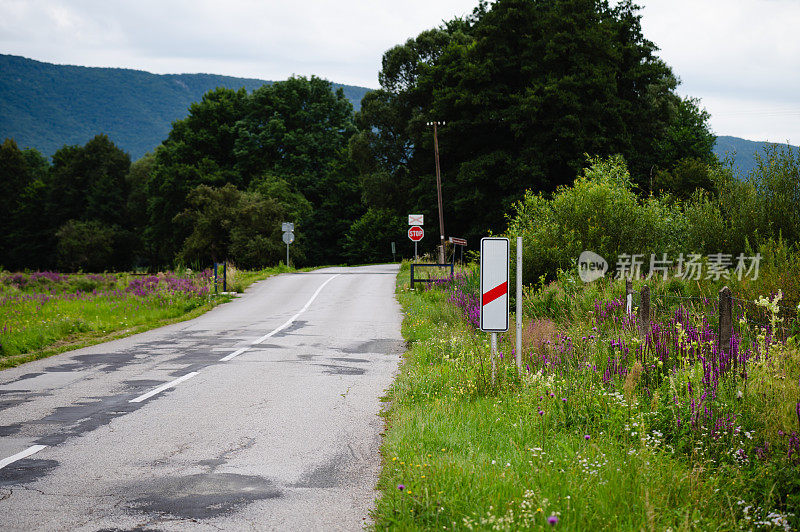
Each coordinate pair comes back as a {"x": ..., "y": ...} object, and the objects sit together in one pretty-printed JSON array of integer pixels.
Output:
[{"x": 494, "y": 284}]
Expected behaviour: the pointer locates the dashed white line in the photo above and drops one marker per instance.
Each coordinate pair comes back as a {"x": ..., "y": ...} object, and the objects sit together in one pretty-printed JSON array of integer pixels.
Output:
[
  {"x": 33, "y": 449},
  {"x": 234, "y": 354},
  {"x": 286, "y": 324},
  {"x": 163, "y": 387}
]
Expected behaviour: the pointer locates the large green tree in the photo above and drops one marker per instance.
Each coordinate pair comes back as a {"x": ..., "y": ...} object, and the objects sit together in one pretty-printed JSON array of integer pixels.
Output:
[
  {"x": 526, "y": 88},
  {"x": 15, "y": 177},
  {"x": 289, "y": 138},
  {"x": 228, "y": 224}
]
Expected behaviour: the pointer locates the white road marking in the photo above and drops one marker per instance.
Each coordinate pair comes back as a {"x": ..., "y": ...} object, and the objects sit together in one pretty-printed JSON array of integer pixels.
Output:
[
  {"x": 163, "y": 387},
  {"x": 286, "y": 324},
  {"x": 33, "y": 449},
  {"x": 234, "y": 354}
]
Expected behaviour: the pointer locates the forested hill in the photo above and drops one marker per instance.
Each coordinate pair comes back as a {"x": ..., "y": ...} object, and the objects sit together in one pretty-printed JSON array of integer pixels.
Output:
[
  {"x": 46, "y": 106},
  {"x": 743, "y": 152}
]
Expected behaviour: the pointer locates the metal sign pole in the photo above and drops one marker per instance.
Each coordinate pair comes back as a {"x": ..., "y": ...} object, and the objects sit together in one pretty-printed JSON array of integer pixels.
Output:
[
  {"x": 494, "y": 356},
  {"x": 519, "y": 304},
  {"x": 287, "y": 255},
  {"x": 416, "y": 257}
]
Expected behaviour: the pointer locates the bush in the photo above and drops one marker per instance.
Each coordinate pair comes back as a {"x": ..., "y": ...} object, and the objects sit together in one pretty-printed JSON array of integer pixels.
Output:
[
  {"x": 88, "y": 245},
  {"x": 600, "y": 212},
  {"x": 369, "y": 239}
]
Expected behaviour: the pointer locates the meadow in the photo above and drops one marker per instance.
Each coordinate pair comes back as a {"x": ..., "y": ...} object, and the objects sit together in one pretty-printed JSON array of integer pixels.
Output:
[
  {"x": 612, "y": 424},
  {"x": 43, "y": 313}
]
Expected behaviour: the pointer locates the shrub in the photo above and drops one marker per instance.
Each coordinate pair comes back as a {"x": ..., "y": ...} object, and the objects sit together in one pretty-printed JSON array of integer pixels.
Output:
[{"x": 600, "y": 212}]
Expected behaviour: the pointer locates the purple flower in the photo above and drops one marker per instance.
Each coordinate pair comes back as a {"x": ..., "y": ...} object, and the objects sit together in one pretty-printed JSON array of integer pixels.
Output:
[
  {"x": 553, "y": 519},
  {"x": 401, "y": 487},
  {"x": 541, "y": 412},
  {"x": 586, "y": 437},
  {"x": 564, "y": 399}
]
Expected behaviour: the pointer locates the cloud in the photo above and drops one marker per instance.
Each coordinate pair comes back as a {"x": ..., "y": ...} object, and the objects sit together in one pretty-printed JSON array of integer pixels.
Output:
[{"x": 738, "y": 56}]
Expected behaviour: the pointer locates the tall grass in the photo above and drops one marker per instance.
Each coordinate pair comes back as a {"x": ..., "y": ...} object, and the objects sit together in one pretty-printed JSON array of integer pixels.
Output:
[
  {"x": 596, "y": 433},
  {"x": 46, "y": 312}
]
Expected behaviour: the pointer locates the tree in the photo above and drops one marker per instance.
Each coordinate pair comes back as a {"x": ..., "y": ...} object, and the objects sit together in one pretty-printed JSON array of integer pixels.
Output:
[
  {"x": 369, "y": 239},
  {"x": 296, "y": 129},
  {"x": 88, "y": 183},
  {"x": 229, "y": 224},
  {"x": 88, "y": 245},
  {"x": 526, "y": 88},
  {"x": 14, "y": 178}
]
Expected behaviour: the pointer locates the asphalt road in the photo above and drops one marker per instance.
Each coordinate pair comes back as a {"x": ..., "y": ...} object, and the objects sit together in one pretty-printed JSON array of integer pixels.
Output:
[{"x": 270, "y": 420}]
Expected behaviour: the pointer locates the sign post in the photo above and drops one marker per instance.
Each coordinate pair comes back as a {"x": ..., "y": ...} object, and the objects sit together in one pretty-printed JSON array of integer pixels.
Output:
[
  {"x": 494, "y": 290},
  {"x": 416, "y": 219},
  {"x": 458, "y": 242},
  {"x": 288, "y": 237},
  {"x": 394, "y": 259},
  {"x": 415, "y": 233}
]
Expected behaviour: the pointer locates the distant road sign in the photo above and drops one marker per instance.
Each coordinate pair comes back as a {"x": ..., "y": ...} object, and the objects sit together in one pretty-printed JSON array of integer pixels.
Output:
[
  {"x": 287, "y": 227},
  {"x": 288, "y": 238},
  {"x": 415, "y": 233},
  {"x": 494, "y": 284},
  {"x": 415, "y": 219},
  {"x": 458, "y": 241}
]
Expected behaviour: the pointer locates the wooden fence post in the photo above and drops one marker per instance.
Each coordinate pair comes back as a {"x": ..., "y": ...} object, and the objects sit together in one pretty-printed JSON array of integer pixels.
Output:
[
  {"x": 725, "y": 321},
  {"x": 644, "y": 308}
]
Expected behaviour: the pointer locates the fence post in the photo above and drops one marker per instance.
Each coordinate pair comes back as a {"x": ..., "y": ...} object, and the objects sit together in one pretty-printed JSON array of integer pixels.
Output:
[
  {"x": 216, "y": 285},
  {"x": 644, "y": 309},
  {"x": 412, "y": 274},
  {"x": 725, "y": 321},
  {"x": 629, "y": 296}
]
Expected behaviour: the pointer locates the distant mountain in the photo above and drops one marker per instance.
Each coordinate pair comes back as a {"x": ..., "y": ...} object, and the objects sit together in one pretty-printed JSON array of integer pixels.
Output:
[
  {"x": 742, "y": 152},
  {"x": 46, "y": 106}
]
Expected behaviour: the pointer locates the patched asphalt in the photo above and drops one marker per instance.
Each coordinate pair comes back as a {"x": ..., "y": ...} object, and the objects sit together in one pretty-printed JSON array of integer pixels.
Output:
[{"x": 283, "y": 437}]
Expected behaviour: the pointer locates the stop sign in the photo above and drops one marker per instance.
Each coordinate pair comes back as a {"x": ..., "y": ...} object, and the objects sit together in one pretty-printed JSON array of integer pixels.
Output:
[{"x": 415, "y": 233}]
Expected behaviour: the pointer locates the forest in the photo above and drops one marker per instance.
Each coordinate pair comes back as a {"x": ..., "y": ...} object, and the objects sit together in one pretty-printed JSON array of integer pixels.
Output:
[{"x": 530, "y": 93}]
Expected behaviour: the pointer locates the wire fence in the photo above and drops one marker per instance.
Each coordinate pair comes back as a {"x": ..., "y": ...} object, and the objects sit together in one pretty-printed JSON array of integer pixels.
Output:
[{"x": 746, "y": 314}]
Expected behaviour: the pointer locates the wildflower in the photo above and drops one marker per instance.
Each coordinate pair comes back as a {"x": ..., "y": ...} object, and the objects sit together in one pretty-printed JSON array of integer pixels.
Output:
[
  {"x": 563, "y": 399},
  {"x": 553, "y": 519},
  {"x": 401, "y": 487},
  {"x": 586, "y": 437}
]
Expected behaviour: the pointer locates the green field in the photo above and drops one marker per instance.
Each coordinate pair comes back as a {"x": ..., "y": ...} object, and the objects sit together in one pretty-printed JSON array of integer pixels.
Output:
[
  {"x": 606, "y": 429},
  {"x": 43, "y": 313}
]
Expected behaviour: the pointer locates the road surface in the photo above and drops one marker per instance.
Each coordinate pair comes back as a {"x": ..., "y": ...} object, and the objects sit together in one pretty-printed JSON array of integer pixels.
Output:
[{"x": 262, "y": 414}]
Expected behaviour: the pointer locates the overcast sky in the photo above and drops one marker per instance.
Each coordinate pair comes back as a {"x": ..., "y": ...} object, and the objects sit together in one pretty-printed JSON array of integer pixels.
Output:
[{"x": 740, "y": 57}]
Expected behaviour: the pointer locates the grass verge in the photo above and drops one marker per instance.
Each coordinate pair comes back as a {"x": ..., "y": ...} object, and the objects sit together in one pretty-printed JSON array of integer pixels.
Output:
[
  {"x": 565, "y": 448},
  {"x": 43, "y": 314}
]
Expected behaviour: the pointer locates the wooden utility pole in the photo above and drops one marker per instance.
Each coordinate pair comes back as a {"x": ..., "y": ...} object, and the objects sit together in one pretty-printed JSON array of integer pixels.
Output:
[{"x": 438, "y": 189}]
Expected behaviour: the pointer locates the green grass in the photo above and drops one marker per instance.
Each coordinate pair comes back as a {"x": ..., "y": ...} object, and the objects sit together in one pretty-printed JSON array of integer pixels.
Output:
[
  {"x": 473, "y": 455},
  {"x": 44, "y": 318}
]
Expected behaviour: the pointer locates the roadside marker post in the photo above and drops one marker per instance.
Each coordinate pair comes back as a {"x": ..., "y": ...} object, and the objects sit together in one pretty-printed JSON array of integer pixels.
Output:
[
  {"x": 519, "y": 305},
  {"x": 494, "y": 291}
]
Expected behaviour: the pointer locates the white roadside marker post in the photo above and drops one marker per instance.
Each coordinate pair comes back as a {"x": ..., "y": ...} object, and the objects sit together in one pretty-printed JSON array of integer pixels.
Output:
[
  {"x": 519, "y": 305},
  {"x": 494, "y": 294}
]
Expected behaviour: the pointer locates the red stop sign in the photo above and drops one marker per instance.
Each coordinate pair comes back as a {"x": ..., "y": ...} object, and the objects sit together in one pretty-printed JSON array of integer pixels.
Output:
[{"x": 415, "y": 233}]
